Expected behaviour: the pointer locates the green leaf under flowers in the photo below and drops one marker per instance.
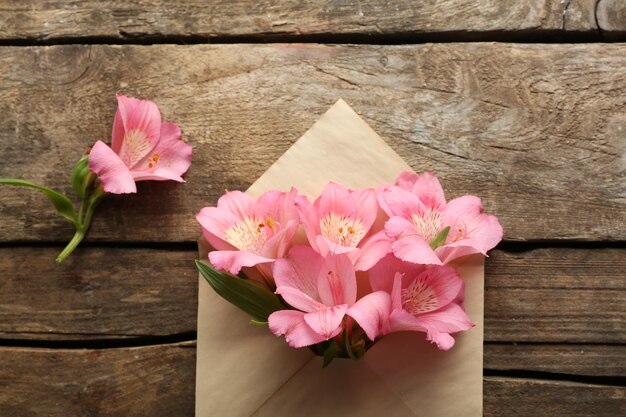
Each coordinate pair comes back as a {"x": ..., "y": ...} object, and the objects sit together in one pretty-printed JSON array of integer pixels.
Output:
[
  {"x": 440, "y": 239},
  {"x": 82, "y": 177},
  {"x": 248, "y": 295},
  {"x": 60, "y": 202},
  {"x": 259, "y": 323},
  {"x": 332, "y": 351}
]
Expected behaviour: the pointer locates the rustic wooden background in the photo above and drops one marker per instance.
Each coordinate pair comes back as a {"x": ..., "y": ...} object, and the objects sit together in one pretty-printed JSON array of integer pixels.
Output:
[{"x": 523, "y": 103}]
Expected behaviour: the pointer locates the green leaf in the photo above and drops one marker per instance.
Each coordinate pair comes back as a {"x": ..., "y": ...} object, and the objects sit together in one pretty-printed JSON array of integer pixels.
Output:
[
  {"x": 248, "y": 295},
  {"x": 60, "y": 202},
  {"x": 82, "y": 177},
  {"x": 259, "y": 323},
  {"x": 440, "y": 239},
  {"x": 332, "y": 351}
]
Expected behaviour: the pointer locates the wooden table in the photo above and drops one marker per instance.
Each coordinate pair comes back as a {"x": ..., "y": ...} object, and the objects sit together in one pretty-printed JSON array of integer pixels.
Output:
[{"x": 538, "y": 130}]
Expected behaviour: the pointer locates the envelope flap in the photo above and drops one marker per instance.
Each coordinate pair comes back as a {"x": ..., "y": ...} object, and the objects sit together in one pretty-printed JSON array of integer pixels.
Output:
[{"x": 339, "y": 147}]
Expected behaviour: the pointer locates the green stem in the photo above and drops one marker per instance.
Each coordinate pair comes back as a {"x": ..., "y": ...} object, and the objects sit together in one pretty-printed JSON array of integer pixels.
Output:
[
  {"x": 84, "y": 224},
  {"x": 78, "y": 237}
]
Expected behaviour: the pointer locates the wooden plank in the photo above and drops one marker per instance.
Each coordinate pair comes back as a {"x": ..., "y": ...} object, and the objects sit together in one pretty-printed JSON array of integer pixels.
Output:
[
  {"x": 536, "y": 130},
  {"x": 34, "y": 19},
  {"x": 513, "y": 397},
  {"x": 589, "y": 360},
  {"x": 154, "y": 380},
  {"x": 611, "y": 18},
  {"x": 132, "y": 292},
  {"x": 556, "y": 295},
  {"x": 98, "y": 293},
  {"x": 159, "y": 380}
]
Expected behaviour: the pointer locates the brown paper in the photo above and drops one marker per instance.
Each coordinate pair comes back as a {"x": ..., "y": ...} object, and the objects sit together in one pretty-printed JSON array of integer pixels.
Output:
[{"x": 245, "y": 371}]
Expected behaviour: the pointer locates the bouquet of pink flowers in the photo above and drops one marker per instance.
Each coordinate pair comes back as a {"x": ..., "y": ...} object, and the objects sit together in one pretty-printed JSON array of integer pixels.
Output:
[{"x": 339, "y": 273}]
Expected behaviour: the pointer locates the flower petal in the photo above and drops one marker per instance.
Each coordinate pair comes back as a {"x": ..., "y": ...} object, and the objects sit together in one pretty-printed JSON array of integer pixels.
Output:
[
  {"x": 450, "y": 319},
  {"x": 299, "y": 300},
  {"x": 399, "y": 226},
  {"x": 233, "y": 260},
  {"x": 365, "y": 206},
  {"x": 406, "y": 180},
  {"x": 291, "y": 324},
  {"x": 372, "y": 250},
  {"x": 111, "y": 170},
  {"x": 334, "y": 199},
  {"x": 326, "y": 246},
  {"x": 169, "y": 160},
  {"x": 300, "y": 270},
  {"x": 443, "y": 340},
  {"x": 398, "y": 202},
  {"x": 214, "y": 223},
  {"x": 327, "y": 321},
  {"x": 382, "y": 274},
  {"x": 238, "y": 203},
  {"x": 337, "y": 281},
  {"x": 434, "y": 288},
  {"x": 125, "y": 106},
  {"x": 277, "y": 245},
  {"x": 415, "y": 249},
  {"x": 142, "y": 115},
  {"x": 428, "y": 189},
  {"x": 279, "y": 206},
  {"x": 310, "y": 220},
  {"x": 372, "y": 313}
]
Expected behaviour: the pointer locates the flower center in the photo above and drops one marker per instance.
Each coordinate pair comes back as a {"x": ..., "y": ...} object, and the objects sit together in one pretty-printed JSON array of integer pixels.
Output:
[
  {"x": 419, "y": 298},
  {"x": 341, "y": 230},
  {"x": 428, "y": 224},
  {"x": 135, "y": 146},
  {"x": 250, "y": 234}
]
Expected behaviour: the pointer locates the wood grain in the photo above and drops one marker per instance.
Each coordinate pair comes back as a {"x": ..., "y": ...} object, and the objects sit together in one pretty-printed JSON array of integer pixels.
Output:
[
  {"x": 97, "y": 293},
  {"x": 611, "y": 18},
  {"x": 159, "y": 380},
  {"x": 527, "y": 397},
  {"x": 556, "y": 295},
  {"x": 34, "y": 19},
  {"x": 535, "y": 130},
  {"x": 571, "y": 359},
  {"x": 141, "y": 381},
  {"x": 545, "y": 295}
]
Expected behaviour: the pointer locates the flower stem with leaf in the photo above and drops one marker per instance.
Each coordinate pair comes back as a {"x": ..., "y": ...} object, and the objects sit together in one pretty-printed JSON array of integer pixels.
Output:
[{"x": 83, "y": 183}]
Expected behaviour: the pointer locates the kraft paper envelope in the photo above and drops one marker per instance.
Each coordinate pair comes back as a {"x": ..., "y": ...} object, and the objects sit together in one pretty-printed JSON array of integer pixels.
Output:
[{"x": 246, "y": 371}]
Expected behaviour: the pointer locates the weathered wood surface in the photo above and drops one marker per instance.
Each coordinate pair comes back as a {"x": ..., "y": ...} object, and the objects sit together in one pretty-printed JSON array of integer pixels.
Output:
[
  {"x": 159, "y": 380},
  {"x": 99, "y": 293},
  {"x": 142, "y": 381},
  {"x": 545, "y": 295},
  {"x": 570, "y": 359},
  {"x": 509, "y": 397},
  {"x": 536, "y": 130},
  {"x": 35, "y": 19}
]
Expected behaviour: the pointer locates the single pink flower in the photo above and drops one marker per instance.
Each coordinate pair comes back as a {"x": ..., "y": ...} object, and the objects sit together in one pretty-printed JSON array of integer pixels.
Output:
[
  {"x": 323, "y": 291},
  {"x": 423, "y": 299},
  {"x": 418, "y": 212},
  {"x": 246, "y": 232},
  {"x": 339, "y": 221},
  {"x": 142, "y": 148}
]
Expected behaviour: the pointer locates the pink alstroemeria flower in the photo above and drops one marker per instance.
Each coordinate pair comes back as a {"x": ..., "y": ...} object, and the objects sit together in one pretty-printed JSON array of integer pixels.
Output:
[
  {"x": 418, "y": 212},
  {"x": 323, "y": 290},
  {"x": 246, "y": 232},
  {"x": 339, "y": 221},
  {"x": 423, "y": 299},
  {"x": 142, "y": 148}
]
